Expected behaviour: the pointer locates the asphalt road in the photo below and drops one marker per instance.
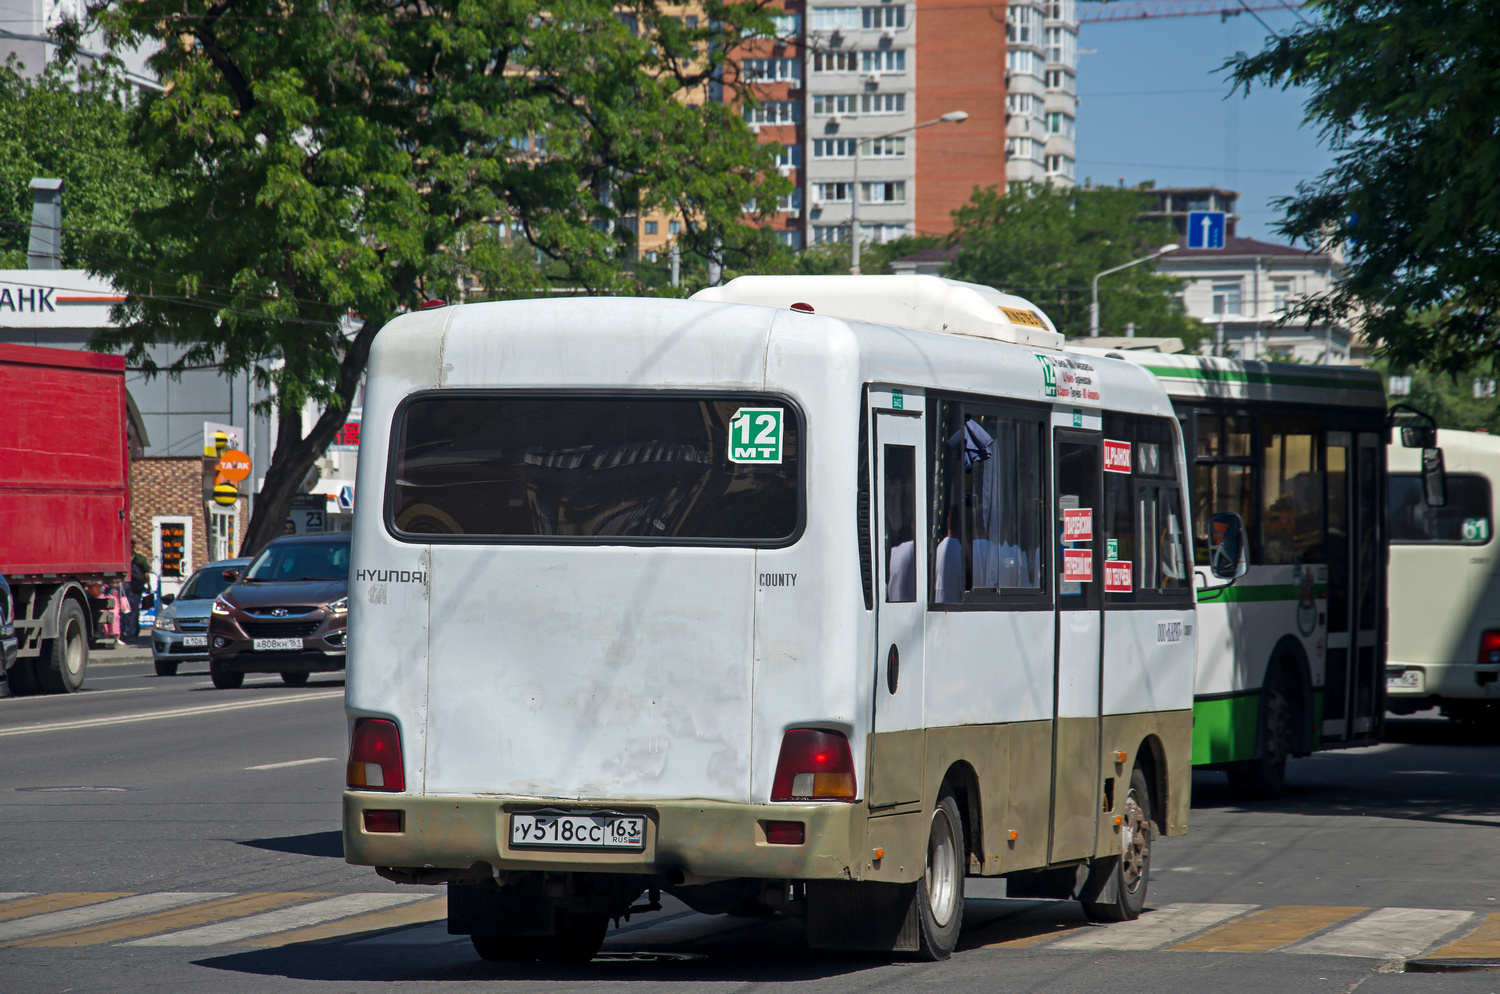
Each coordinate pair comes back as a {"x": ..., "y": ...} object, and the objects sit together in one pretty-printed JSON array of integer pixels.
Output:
[{"x": 159, "y": 835}]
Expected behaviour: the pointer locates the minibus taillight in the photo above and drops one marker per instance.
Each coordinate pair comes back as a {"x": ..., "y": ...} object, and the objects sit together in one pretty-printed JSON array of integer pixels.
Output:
[
  {"x": 815, "y": 765},
  {"x": 1489, "y": 647},
  {"x": 375, "y": 756}
]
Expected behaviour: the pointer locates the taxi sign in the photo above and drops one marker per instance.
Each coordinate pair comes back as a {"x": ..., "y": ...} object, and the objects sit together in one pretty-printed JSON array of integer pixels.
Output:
[{"x": 234, "y": 465}]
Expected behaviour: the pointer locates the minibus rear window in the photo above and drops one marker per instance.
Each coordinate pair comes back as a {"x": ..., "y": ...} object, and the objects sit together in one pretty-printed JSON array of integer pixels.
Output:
[
  {"x": 633, "y": 469},
  {"x": 1464, "y": 520}
]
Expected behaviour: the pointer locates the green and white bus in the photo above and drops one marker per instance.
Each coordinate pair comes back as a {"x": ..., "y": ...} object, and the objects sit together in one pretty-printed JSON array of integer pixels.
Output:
[{"x": 1291, "y": 658}]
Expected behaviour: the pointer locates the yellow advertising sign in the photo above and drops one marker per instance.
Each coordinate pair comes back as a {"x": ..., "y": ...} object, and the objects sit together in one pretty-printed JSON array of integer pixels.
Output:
[{"x": 1029, "y": 318}]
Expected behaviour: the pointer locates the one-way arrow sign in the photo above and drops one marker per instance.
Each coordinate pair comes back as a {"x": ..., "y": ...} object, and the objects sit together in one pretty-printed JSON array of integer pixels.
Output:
[{"x": 1205, "y": 230}]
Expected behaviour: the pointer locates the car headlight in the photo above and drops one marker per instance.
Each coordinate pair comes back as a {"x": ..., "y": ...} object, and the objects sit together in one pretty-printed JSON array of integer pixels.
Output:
[
  {"x": 340, "y": 606},
  {"x": 221, "y": 606},
  {"x": 168, "y": 624}
]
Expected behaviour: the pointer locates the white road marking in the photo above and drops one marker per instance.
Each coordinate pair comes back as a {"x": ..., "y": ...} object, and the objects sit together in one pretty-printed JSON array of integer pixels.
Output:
[
  {"x": 282, "y": 920},
  {"x": 1153, "y": 928},
  {"x": 294, "y": 762},
  {"x": 1386, "y": 933},
  {"x": 125, "y": 719},
  {"x": 93, "y": 914}
]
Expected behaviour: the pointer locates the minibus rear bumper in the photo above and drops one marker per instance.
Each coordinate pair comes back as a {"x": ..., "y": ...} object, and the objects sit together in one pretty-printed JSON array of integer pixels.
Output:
[
  {"x": 694, "y": 838},
  {"x": 1434, "y": 683}
]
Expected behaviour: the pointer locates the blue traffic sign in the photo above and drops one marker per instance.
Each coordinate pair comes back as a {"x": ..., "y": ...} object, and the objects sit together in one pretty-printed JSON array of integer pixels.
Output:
[
  {"x": 1205, "y": 230},
  {"x": 346, "y": 498}
]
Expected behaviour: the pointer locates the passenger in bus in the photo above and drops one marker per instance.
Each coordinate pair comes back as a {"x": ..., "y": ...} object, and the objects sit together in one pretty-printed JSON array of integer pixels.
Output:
[
  {"x": 949, "y": 565},
  {"x": 901, "y": 586}
]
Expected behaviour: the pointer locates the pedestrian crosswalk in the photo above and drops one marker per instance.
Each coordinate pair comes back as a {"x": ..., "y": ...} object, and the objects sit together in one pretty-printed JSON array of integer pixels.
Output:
[{"x": 416, "y": 917}]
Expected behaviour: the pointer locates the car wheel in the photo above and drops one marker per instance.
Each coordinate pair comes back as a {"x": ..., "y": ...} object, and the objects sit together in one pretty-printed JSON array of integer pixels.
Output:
[
  {"x": 294, "y": 679},
  {"x": 224, "y": 678},
  {"x": 165, "y": 667}
]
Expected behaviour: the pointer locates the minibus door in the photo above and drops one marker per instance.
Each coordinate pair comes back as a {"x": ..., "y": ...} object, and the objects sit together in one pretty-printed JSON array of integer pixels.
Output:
[
  {"x": 901, "y": 605},
  {"x": 1077, "y": 670}
]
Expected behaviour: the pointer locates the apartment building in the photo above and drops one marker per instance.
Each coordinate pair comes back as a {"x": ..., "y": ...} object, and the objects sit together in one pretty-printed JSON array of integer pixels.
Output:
[{"x": 1042, "y": 93}]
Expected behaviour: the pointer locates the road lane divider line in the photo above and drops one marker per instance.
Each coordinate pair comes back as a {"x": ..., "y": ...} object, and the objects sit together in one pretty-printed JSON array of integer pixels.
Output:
[
  {"x": 1386, "y": 933},
  {"x": 125, "y": 719},
  {"x": 1153, "y": 928},
  {"x": 300, "y": 916},
  {"x": 233, "y": 906},
  {"x": 1267, "y": 929},
  {"x": 294, "y": 762},
  {"x": 1482, "y": 943},
  {"x": 421, "y": 913},
  {"x": 92, "y": 914},
  {"x": 43, "y": 903}
]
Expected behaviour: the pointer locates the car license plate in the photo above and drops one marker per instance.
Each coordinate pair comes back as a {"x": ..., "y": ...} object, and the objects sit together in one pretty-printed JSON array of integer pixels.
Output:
[
  {"x": 1406, "y": 680},
  {"x": 194, "y": 641},
  {"x": 273, "y": 645},
  {"x": 578, "y": 831}
]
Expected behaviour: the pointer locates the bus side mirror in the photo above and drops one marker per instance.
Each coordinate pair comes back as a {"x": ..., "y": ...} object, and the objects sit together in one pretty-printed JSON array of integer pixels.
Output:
[
  {"x": 231, "y": 575},
  {"x": 1418, "y": 437},
  {"x": 1229, "y": 552},
  {"x": 1434, "y": 478}
]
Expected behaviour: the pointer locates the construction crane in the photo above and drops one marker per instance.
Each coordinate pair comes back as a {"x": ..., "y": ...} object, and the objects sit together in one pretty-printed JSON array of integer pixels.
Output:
[{"x": 1101, "y": 11}]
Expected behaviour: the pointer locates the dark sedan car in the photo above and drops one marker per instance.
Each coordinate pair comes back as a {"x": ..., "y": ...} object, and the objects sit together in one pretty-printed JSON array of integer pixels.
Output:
[{"x": 287, "y": 613}]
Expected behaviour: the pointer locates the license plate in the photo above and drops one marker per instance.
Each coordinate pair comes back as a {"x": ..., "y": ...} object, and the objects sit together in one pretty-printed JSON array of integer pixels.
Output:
[
  {"x": 194, "y": 641},
  {"x": 273, "y": 645},
  {"x": 1409, "y": 680},
  {"x": 578, "y": 831}
]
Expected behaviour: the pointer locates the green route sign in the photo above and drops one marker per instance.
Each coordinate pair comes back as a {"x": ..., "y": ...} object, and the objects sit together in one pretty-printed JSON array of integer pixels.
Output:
[{"x": 756, "y": 435}]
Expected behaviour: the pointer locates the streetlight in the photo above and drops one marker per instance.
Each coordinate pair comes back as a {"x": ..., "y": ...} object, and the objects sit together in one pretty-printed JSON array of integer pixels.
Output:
[
  {"x": 1094, "y": 307},
  {"x": 952, "y": 117}
]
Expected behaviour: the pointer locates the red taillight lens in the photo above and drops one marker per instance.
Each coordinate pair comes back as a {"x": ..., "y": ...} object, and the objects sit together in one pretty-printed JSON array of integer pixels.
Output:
[
  {"x": 814, "y": 766},
  {"x": 383, "y": 821},
  {"x": 786, "y": 833},
  {"x": 1489, "y": 646},
  {"x": 375, "y": 756}
]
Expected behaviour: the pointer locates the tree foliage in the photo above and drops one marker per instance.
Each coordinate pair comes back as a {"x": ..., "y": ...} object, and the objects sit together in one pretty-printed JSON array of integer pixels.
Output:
[
  {"x": 1406, "y": 95},
  {"x": 335, "y": 162},
  {"x": 1046, "y": 244}
]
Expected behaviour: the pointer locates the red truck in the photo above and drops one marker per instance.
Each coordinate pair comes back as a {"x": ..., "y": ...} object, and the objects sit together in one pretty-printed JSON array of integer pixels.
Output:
[{"x": 64, "y": 505}]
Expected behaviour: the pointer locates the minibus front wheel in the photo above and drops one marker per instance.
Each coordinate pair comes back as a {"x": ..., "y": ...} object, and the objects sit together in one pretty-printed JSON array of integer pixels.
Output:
[{"x": 1115, "y": 890}]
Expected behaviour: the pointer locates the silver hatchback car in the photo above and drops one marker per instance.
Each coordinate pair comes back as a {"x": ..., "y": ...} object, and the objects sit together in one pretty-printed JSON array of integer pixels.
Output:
[{"x": 182, "y": 621}]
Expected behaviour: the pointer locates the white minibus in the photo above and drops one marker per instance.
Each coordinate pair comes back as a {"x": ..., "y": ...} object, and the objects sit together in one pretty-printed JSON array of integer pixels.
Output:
[
  {"x": 811, "y": 595},
  {"x": 1445, "y": 593}
]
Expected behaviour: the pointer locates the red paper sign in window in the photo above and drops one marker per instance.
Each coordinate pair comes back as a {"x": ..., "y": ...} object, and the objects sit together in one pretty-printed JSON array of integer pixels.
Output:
[
  {"x": 1078, "y": 566},
  {"x": 1078, "y": 524},
  {"x": 1117, "y": 578},
  {"x": 1116, "y": 456}
]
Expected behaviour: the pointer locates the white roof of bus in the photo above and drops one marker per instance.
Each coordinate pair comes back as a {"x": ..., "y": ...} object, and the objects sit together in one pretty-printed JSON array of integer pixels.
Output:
[
  {"x": 1208, "y": 377},
  {"x": 1463, "y": 452}
]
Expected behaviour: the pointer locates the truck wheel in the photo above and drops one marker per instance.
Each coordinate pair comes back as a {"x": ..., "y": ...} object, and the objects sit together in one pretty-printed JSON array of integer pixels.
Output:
[
  {"x": 294, "y": 679},
  {"x": 65, "y": 659},
  {"x": 504, "y": 948},
  {"x": 1131, "y": 870},
  {"x": 940, "y": 891},
  {"x": 1264, "y": 778},
  {"x": 223, "y": 678},
  {"x": 165, "y": 667}
]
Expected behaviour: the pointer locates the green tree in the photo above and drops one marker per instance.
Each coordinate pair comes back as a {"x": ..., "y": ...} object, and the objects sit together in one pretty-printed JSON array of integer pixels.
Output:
[
  {"x": 73, "y": 126},
  {"x": 1046, "y": 244},
  {"x": 1405, "y": 94},
  {"x": 333, "y": 163}
]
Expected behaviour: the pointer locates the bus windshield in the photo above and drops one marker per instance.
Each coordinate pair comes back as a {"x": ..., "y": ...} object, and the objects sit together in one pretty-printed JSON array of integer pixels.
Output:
[{"x": 301, "y": 561}]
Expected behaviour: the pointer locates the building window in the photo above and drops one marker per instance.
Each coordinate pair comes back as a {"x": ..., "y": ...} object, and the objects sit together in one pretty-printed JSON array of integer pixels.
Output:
[
  {"x": 1024, "y": 105},
  {"x": 1226, "y": 300},
  {"x": 1060, "y": 165},
  {"x": 840, "y": 61},
  {"x": 774, "y": 112},
  {"x": 1023, "y": 148},
  {"x": 884, "y": 148},
  {"x": 1055, "y": 44},
  {"x": 883, "y": 60},
  {"x": 835, "y": 18},
  {"x": 883, "y": 192},
  {"x": 833, "y": 148},
  {"x": 651, "y": 256},
  {"x": 1060, "y": 124},
  {"x": 792, "y": 201},
  {"x": 690, "y": 22},
  {"x": 883, "y": 103},
  {"x": 835, "y": 103},
  {"x": 882, "y": 233},
  {"x": 1062, "y": 10},
  {"x": 790, "y": 157},
  {"x": 1061, "y": 79},
  {"x": 825, "y": 233},
  {"x": 1020, "y": 25},
  {"x": 1281, "y": 294},
  {"x": 791, "y": 239},
  {"x": 651, "y": 227},
  {"x": 833, "y": 193},
  {"x": 1023, "y": 62},
  {"x": 787, "y": 25},
  {"x": 674, "y": 227},
  {"x": 878, "y": 18},
  {"x": 770, "y": 70}
]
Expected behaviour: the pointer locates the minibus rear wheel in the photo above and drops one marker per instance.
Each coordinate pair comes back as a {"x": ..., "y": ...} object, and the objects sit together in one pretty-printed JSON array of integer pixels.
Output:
[
  {"x": 940, "y": 892},
  {"x": 578, "y": 938},
  {"x": 504, "y": 948}
]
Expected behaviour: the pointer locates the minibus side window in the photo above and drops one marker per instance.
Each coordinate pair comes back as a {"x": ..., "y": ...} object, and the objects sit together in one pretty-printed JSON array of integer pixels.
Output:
[
  {"x": 1464, "y": 520},
  {"x": 1145, "y": 539},
  {"x": 900, "y": 523}
]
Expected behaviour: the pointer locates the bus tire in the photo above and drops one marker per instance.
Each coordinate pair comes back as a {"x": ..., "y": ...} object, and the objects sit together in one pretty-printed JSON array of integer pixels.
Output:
[
  {"x": 1116, "y": 887},
  {"x": 65, "y": 659},
  {"x": 940, "y": 892},
  {"x": 577, "y": 939},
  {"x": 504, "y": 948},
  {"x": 1264, "y": 777},
  {"x": 223, "y": 677}
]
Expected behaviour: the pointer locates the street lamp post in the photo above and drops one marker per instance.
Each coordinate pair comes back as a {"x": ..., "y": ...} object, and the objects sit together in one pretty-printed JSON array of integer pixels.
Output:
[
  {"x": 1094, "y": 305},
  {"x": 952, "y": 117}
]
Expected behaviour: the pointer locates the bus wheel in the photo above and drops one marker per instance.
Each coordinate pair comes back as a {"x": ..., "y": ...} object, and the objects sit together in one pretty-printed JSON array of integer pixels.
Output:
[
  {"x": 504, "y": 948},
  {"x": 1264, "y": 778},
  {"x": 1121, "y": 881},
  {"x": 940, "y": 892}
]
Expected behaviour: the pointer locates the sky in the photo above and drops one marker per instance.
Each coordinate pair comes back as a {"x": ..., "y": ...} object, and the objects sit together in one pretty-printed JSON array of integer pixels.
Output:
[{"x": 1152, "y": 107}]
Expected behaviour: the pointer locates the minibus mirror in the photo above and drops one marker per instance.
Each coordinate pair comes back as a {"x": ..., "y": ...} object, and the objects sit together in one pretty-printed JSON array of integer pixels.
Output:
[
  {"x": 1418, "y": 437},
  {"x": 231, "y": 575},
  {"x": 1434, "y": 479},
  {"x": 1228, "y": 552},
  {"x": 167, "y": 599}
]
